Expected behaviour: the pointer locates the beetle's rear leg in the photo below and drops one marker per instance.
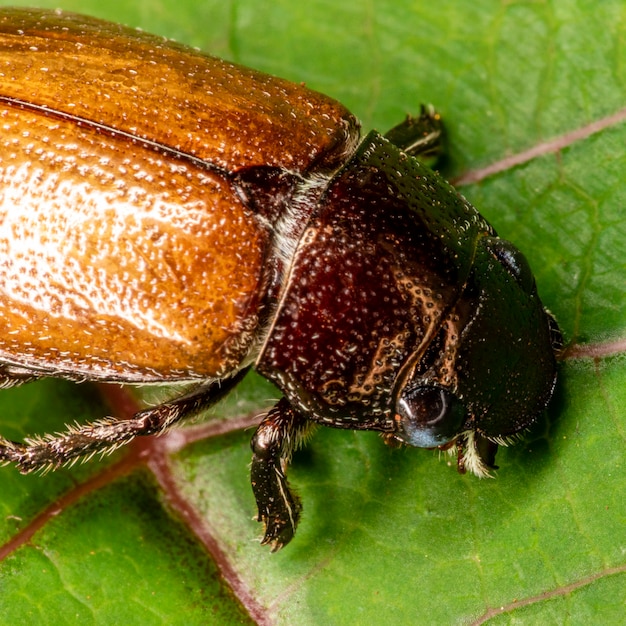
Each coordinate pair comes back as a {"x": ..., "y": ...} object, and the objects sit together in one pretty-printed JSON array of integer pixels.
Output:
[
  {"x": 110, "y": 433},
  {"x": 279, "y": 508}
]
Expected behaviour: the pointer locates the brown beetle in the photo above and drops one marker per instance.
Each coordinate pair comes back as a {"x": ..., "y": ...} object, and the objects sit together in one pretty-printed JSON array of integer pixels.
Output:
[{"x": 170, "y": 217}]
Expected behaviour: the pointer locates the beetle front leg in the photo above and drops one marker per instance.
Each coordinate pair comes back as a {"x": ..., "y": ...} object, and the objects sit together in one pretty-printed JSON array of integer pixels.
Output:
[
  {"x": 108, "y": 434},
  {"x": 421, "y": 137},
  {"x": 279, "y": 508}
]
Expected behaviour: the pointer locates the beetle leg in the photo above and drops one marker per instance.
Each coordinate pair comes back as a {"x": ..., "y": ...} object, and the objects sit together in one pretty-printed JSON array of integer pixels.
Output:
[
  {"x": 421, "y": 137},
  {"x": 108, "y": 434},
  {"x": 279, "y": 507}
]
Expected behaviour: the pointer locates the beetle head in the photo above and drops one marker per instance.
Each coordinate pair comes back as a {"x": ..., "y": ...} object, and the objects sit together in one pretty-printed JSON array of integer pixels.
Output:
[{"x": 490, "y": 369}]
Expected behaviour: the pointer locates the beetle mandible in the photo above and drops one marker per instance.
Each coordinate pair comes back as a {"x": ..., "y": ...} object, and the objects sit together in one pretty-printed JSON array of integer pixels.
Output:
[{"x": 168, "y": 217}]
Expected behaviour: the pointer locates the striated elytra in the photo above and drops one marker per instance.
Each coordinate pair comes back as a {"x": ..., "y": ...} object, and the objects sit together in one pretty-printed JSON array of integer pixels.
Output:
[{"x": 167, "y": 216}]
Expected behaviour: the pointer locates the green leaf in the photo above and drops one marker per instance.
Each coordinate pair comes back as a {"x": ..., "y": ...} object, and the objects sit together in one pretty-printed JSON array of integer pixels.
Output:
[{"x": 392, "y": 536}]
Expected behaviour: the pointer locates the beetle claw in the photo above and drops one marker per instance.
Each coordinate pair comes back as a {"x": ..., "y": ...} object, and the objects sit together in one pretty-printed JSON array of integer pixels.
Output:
[{"x": 279, "y": 531}]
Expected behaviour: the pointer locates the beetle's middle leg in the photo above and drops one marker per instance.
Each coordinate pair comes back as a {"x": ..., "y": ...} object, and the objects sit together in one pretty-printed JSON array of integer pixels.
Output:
[
  {"x": 280, "y": 432},
  {"x": 110, "y": 433}
]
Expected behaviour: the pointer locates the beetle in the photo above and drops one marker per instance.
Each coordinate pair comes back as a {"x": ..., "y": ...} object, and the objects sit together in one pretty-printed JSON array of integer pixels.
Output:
[{"x": 169, "y": 217}]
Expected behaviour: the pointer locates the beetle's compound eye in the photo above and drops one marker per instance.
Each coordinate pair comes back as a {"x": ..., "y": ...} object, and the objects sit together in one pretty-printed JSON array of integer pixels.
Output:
[
  {"x": 513, "y": 261},
  {"x": 429, "y": 416}
]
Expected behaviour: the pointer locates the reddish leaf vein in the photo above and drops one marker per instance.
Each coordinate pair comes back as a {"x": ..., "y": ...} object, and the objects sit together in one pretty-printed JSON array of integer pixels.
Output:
[{"x": 545, "y": 147}]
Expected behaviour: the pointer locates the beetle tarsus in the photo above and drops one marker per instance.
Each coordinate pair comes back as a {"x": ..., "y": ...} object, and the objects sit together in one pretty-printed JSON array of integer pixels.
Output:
[{"x": 273, "y": 443}]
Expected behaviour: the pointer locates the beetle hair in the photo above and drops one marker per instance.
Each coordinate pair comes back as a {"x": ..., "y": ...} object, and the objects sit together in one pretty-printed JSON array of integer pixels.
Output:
[
  {"x": 289, "y": 228},
  {"x": 307, "y": 192},
  {"x": 472, "y": 460}
]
